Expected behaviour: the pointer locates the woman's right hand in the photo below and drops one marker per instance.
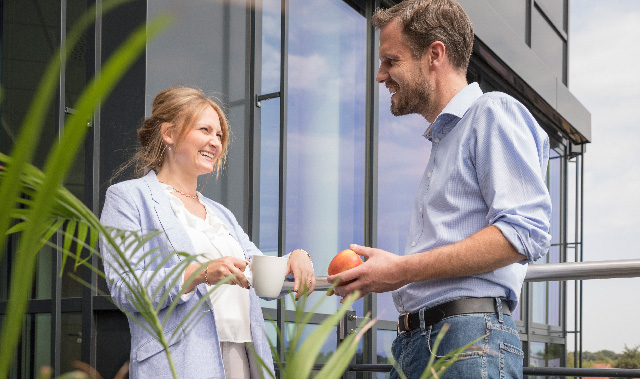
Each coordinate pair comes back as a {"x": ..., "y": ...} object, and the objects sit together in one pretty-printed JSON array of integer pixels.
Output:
[{"x": 217, "y": 270}]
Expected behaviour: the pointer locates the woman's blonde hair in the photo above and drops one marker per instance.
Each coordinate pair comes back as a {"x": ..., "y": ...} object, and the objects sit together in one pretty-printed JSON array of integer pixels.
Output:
[{"x": 179, "y": 107}]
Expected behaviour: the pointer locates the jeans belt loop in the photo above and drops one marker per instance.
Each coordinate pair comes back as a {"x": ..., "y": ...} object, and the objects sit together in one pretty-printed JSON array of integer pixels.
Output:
[
  {"x": 423, "y": 328},
  {"x": 499, "y": 305}
]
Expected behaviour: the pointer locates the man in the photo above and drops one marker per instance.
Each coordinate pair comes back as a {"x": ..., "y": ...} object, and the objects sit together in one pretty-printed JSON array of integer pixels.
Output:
[{"x": 482, "y": 209}]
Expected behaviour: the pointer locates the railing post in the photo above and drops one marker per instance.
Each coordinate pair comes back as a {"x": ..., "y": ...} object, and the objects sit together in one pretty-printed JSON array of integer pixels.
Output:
[{"x": 347, "y": 326}]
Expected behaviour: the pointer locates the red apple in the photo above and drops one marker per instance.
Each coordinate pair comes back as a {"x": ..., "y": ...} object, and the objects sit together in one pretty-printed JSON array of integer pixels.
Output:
[{"x": 344, "y": 260}]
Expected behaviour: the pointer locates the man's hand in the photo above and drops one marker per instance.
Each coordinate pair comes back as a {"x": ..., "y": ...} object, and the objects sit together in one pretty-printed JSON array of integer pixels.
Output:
[{"x": 381, "y": 272}]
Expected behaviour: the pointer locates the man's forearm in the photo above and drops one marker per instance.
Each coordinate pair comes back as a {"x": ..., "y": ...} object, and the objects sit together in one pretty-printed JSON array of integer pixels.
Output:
[{"x": 482, "y": 252}]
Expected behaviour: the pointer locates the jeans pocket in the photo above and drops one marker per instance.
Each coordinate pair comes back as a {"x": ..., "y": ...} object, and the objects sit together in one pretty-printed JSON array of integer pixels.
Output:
[
  {"x": 511, "y": 360},
  {"x": 456, "y": 337}
]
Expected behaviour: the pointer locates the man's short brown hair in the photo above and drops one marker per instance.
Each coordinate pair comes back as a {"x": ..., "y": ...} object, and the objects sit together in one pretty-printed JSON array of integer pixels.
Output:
[{"x": 427, "y": 21}]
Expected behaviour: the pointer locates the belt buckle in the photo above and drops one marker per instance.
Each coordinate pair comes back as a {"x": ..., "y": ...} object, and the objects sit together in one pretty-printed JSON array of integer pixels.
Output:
[{"x": 406, "y": 323}]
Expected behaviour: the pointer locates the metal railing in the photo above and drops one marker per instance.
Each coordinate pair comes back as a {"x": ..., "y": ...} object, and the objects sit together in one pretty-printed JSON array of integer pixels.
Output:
[
  {"x": 541, "y": 273},
  {"x": 583, "y": 271}
]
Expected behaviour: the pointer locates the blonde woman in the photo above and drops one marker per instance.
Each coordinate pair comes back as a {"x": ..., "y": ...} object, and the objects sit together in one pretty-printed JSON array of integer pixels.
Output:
[{"x": 187, "y": 136}]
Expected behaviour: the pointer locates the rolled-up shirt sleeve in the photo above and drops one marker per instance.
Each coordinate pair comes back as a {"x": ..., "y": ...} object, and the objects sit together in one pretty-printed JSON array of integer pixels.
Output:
[{"x": 512, "y": 155}]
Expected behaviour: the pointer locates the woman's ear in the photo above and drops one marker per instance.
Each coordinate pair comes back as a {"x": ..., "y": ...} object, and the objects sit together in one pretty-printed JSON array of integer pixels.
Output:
[{"x": 168, "y": 133}]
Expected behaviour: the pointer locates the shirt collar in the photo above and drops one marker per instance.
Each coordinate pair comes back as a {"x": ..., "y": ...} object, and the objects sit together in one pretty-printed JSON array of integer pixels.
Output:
[{"x": 455, "y": 109}]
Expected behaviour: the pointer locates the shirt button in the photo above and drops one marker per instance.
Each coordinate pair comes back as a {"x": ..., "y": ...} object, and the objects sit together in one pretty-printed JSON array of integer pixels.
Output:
[
  {"x": 429, "y": 174},
  {"x": 420, "y": 209},
  {"x": 437, "y": 140},
  {"x": 413, "y": 244}
]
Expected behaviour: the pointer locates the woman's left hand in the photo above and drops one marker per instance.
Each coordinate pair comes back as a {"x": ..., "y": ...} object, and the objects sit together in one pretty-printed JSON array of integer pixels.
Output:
[{"x": 300, "y": 265}]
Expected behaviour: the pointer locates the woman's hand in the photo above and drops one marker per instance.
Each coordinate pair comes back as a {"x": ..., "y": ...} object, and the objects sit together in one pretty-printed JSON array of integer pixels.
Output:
[
  {"x": 300, "y": 265},
  {"x": 217, "y": 270}
]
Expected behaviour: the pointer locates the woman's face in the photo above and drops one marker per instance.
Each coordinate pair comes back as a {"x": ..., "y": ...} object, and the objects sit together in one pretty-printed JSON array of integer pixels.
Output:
[{"x": 201, "y": 146}]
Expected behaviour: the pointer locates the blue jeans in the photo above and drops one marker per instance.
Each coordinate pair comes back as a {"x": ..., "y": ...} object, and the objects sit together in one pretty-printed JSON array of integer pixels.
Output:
[{"x": 497, "y": 355}]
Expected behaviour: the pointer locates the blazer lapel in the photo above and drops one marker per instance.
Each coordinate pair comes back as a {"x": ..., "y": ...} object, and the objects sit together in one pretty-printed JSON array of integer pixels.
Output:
[{"x": 166, "y": 219}]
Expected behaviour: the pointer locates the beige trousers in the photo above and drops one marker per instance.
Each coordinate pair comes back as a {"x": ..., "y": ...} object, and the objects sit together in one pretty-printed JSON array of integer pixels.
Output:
[{"x": 238, "y": 360}]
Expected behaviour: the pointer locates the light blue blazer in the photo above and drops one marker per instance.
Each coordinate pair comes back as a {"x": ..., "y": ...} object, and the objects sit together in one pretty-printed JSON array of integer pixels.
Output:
[{"x": 142, "y": 205}]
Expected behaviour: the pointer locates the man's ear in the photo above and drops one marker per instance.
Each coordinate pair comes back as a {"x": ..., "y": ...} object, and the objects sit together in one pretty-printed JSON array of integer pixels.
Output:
[
  {"x": 167, "y": 131},
  {"x": 435, "y": 55}
]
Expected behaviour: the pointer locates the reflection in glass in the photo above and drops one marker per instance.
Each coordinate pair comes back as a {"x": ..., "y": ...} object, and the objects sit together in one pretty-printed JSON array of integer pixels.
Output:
[
  {"x": 269, "y": 181},
  {"x": 384, "y": 341},
  {"x": 403, "y": 155},
  {"x": 545, "y": 355},
  {"x": 270, "y": 129},
  {"x": 325, "y": 131},
  {"x": 206, "y": 47},
  {"x": 546, "y": 295},
  {"x": 271, "y": 39},
  {"x": 554, "y": 181},
  {"x": 517, "y": 313},
  {"x": 269, "y": 176}
]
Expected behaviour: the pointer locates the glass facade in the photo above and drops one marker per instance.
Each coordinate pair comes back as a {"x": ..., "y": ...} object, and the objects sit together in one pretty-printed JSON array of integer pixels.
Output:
[
  {"x": 317, "y": 161},
  {"x": 325, "y": 131}
]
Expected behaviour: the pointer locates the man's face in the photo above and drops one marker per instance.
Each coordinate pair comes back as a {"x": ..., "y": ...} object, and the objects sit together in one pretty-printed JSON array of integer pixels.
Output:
[{"x": 401, "y": 73}]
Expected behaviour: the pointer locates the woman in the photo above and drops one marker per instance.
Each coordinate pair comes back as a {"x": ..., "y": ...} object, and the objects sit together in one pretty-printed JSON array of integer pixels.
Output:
[{"x": 187, "y": 136}]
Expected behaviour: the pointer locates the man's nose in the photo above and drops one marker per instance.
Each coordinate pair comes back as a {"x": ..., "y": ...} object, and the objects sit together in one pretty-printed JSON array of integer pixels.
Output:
[{"x": 382, "y": 75}]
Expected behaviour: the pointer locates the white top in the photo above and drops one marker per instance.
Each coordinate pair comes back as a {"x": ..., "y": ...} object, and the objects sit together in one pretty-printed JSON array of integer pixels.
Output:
[{"x": 211, "y": 240}]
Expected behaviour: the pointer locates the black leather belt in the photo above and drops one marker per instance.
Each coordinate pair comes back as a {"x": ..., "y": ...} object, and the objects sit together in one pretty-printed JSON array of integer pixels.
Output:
[{"x": 432, "y": 316}]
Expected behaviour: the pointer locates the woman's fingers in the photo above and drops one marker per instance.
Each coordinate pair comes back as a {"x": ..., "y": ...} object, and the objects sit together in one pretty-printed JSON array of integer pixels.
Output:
[
  {"x": 304, "y": 279},
  {"x": 221, "y": 268}
]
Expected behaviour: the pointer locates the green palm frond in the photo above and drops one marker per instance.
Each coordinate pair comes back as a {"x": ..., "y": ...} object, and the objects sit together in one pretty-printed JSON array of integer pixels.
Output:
[{"x": 35, "y": 208}]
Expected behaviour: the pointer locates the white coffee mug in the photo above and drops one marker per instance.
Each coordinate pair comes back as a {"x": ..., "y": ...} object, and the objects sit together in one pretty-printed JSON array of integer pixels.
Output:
[{"x": 268, "y": 274}]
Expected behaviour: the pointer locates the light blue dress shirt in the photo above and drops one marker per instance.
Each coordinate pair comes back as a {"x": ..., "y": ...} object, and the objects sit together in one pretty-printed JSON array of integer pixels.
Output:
[{"x": 488, "y": 166}]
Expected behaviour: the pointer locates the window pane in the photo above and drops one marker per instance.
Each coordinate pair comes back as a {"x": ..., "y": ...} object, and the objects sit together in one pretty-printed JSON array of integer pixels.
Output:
[
  {"x": 403, "y": 155},
  {"x": 517, "y": 313},
  {"x": 545, "y": 355},
  {"x": 384, "y": 341},
  {"x": 328, "y": 345},
  {"x": 206, "y": 47},
  {"x": 539, "y": 311},
  {"x": 269, "y": 176},
  {"x": 325, "y": 131},
  {"x": 29, "y": 38},
  {"x": 554, "y": 181},
  {"x": 271, "y": 40},
  {"x": 75, "y": 81},
  {"x": 70, "y": 340},
  {"x": 35, "y": 350}
]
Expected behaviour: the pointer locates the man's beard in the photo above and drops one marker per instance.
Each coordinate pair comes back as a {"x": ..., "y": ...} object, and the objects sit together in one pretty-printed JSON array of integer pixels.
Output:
[{"x": 412, "y": 98}]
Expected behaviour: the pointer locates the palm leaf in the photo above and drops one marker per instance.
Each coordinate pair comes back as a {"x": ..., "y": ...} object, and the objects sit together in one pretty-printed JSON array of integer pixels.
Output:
[
  {"x": 301, "y": 364},
  {"x": 55, "y": 170}
]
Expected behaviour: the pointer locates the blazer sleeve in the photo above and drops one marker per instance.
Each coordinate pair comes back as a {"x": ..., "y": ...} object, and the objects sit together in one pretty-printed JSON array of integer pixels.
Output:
[{"x": 121, "y": 211}]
